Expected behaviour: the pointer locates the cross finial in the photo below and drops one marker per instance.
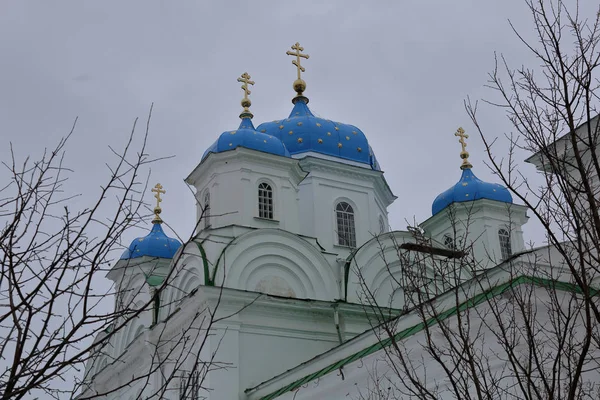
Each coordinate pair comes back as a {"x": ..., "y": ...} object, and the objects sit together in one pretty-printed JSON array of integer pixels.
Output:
[
  {"x": 158, "y": 189},
  {"x": 464, "y": 154},
  {"x": 246, "y": 103},
  {"x": 299, "y": 84}
]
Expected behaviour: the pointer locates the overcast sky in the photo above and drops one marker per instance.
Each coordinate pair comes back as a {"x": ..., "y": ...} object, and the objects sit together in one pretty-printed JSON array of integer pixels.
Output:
[{"x": 398, "y": 70}]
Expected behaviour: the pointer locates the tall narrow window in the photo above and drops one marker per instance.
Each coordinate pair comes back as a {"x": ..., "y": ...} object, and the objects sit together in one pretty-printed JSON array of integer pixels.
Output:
[
  {"x": 206, "y": 212},
  {"x": 505, "y": 248},
  {"x": 265, "y": 201},
  {"x": 345, "y": 225}
]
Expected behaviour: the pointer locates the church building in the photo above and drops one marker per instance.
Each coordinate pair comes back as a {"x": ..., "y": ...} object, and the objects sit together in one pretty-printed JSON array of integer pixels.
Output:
[{"x": 273, "y": 298}]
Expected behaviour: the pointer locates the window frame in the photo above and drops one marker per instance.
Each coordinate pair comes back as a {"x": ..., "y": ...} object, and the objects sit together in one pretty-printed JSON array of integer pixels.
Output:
[
  {"x": 505, "y": 242},
  {"x": 266, "y": 202},
  {"x": 348, "y": 219}
]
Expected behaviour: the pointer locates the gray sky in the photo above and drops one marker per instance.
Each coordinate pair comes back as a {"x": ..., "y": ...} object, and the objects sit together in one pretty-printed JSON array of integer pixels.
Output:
[{"x": 398, "y": 70}]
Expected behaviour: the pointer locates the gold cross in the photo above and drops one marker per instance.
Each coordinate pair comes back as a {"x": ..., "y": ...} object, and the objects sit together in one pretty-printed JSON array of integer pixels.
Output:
[
  {"x": 464, "y": 154},
  {"x": 461, "y": 133},
  {"x": 298, "y": 54},
  {"x": 158, "y": 189},
  {"x": 245, "y": 80}
]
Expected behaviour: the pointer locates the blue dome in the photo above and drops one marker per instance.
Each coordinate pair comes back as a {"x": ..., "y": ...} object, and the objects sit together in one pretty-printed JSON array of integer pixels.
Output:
[
  {"x": 246, "y": 136},
  {"x": 155, "y": 244},
  {"x": 469, "y": 188},
  {"x": 302, "y": 132}
]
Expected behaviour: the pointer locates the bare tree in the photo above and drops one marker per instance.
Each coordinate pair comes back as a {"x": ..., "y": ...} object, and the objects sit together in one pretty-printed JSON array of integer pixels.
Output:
[
  {"x": 527, "y": 328},
  {"x": 54, "y": 317}
]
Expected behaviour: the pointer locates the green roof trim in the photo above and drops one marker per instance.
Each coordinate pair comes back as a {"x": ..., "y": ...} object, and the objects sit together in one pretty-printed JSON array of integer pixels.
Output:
[
  {"x": 207, "y": 279},
  {"x": 474, "y": 301}
]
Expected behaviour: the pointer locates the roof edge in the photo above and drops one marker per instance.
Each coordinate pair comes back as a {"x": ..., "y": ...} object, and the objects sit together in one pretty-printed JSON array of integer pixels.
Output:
[{"x": 413, "y": 329}]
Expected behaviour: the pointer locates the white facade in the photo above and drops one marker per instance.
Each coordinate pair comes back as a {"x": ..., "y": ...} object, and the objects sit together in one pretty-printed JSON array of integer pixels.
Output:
[
  {"x": 478, "y": 224},
  {"x": 292, "y": 288}
]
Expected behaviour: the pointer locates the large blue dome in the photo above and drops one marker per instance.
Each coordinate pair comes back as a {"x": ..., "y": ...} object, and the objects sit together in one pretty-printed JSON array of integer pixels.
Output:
[
  {"x": 155, "y": 244},
  {"x": 302, "y": 132},
  {"x": 470, "y": 188},
  {"x": 246, "y": 136}
]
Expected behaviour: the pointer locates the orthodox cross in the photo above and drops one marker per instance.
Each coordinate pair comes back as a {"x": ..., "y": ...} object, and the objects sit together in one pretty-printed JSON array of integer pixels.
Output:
[
  {"x": 461, "y": 133},
  {"x": 298, "y": 55},
  {"x": 246, "y": 103},
  {"x": 245, "y": 80},
  {"x": 464, "y": 154},
  {"x": 158, "y": 189}
]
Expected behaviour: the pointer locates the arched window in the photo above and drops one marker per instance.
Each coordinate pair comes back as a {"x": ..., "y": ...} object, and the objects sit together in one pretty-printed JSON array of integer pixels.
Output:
[
  {"x": 265, "y": 201},
  {"x": 505, "y": 248},
  {"x": 449, "y": 242},
  {"x": 345, "y": 225},
  {"x": 206, "y": 212},
  {"x": 381, "y": 224}
]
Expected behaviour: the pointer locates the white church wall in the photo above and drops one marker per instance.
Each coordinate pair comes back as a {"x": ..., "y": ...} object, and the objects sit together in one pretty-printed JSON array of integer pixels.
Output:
[
  {"x": 376, "y": 265},
  {"x": 264, "y": 353},
  {"x": 477, "y": 223},
  {"x": 259, "y": 341},
  {"x": 279, "y": 263},
  {"x": 233, "y": 177},
  {"x": 359, "y": 377},
  {"x": 329, "y": 183}
]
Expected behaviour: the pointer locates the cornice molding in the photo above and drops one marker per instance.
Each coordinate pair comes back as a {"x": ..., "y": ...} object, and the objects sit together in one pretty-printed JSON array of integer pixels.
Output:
[
  {"x": 240, "y": 154},
  {"x": 376, "y": 178}
]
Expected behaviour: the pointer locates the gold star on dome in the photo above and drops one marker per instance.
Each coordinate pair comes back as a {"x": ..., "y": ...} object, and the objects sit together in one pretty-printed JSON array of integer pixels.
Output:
[
  {"x": 340, "y": 145},
  {"x": 320, "y": 140},
  {"x": 299, "y": 140}
]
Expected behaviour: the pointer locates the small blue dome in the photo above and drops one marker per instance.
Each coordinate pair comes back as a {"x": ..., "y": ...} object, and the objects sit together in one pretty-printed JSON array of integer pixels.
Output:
[
  {"x": 302, "y": 132},
  {"x": 469, "y": 188},
  {"x": 246, "y": 136},
  {"x": 155, "y": 244}
]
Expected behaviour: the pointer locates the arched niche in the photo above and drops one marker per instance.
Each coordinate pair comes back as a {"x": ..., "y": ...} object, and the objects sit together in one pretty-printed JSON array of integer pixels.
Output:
[
  {"x": 375, "y": 269},
  {"x": 279, "y": 262}
]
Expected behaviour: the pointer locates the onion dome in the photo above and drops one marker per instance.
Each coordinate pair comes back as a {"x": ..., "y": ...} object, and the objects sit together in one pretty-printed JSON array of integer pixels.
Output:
[
  {"x": 469, "y": 187},
  {"x": 246, "y": 135},
  {"x": 302, "y": 132},
  {"x": 156, "y": 243}
]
